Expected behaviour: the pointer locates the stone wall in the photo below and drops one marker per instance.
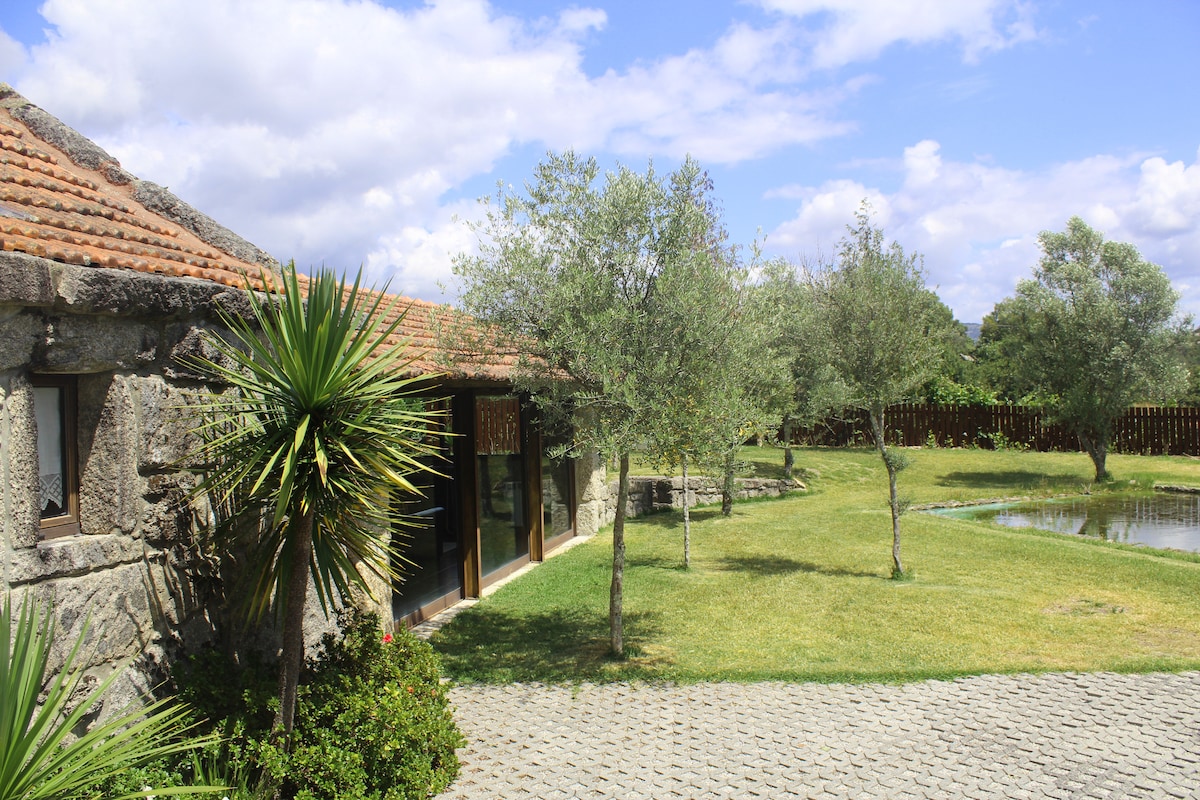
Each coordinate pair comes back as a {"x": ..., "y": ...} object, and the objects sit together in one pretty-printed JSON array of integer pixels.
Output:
[
  {"x": 592, "y": 495},
  {"x": 133, "y": 571},
  {"x": 648, "y": 494}
]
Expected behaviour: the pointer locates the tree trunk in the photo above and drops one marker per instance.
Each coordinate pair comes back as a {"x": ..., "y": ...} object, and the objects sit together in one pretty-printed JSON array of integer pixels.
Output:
[
  {"x": 1097, "y": 450},
  {"x": 687, "y": 516},
  {"x": 877, "y": 429},
  {"x": 789, "y": 457},
  {"x": 293, "y": 625},
  {"x": 616, "y": 630},
  {"x": 727, "y": 485}
]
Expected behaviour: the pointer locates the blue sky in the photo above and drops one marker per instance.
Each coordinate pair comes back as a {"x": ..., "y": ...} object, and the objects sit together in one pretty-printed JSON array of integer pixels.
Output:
[{"x": 350, "y": 133}]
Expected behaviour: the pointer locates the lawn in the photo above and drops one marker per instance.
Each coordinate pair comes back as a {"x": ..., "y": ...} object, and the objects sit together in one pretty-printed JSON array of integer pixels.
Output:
[{"x": 799, "y": 588}]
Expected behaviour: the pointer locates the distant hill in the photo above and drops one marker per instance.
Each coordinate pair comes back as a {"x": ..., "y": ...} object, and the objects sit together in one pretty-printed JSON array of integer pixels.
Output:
[{"x": 973, "y": 330}]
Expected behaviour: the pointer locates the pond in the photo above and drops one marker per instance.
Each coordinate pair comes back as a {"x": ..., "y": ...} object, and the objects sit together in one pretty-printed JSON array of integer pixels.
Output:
[{"x": 1160, "y": 520}]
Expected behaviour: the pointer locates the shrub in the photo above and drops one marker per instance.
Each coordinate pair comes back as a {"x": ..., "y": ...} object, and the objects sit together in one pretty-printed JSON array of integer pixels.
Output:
[
  {"x": 372, "y": 719},
  {"x": 1001, "y": 442},
  {"x": 944, "y": 391}
]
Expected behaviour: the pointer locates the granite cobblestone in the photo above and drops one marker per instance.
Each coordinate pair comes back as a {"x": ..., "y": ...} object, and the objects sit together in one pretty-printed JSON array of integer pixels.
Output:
[{"x": 1065, "y": 735}]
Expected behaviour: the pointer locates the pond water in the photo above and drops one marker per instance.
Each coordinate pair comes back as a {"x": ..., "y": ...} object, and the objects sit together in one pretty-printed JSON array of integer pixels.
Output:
[{"x": 1156, "y": 520}]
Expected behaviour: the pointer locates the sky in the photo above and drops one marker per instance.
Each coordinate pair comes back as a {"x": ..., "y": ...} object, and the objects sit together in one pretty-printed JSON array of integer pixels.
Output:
[{"x": 352, "y": 133}]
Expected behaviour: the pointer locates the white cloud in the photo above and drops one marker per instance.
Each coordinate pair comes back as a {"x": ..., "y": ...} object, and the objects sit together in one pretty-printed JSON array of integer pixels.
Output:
[
  {"x": 417, "y": 259},
  {"x": 977, "y": 224},
  {"x": 1168, "y": 197},
  {"x": 581, "y": 20},
  {"x": 859, "y": 30},
  {"x": 341, "y": 131},
  {"x": 922, "y": 164},
  {"x": 12, "y": 54},
  {"x": 320, "y": 129},
  {"x": 332, "y": 131}
]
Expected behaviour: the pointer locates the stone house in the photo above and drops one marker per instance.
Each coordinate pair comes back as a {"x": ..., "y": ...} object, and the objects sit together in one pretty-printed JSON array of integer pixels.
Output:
[{"x": 106, "y": 281}]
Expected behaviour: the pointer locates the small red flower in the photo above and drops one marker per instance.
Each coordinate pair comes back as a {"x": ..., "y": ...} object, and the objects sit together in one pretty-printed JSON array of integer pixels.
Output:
[{"x": 387, "y": 638}]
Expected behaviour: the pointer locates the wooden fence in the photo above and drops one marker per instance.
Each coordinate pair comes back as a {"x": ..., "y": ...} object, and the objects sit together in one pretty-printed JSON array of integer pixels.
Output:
[{"x": 1142, "y": 430}]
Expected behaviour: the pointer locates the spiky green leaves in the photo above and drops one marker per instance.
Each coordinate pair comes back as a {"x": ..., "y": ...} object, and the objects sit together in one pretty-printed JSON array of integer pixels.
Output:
[
  {"x": 39, "y": 759},
  {"x": 319, "y": 418}
]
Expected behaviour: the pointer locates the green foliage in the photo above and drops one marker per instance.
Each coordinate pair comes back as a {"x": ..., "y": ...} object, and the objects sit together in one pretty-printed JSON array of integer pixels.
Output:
[
  {"x": 881, "y": 331},
  {"x": 243, "y": 781},
  {"x": 881, "y": 334},
  {"x": 1093, "y": 332},
  {"x": 612, "y": 289},
  {"x": 322, "y": 421},
  {"x": 997, "y": 351},
  {"x": 944, "y": 391},
  {"x": 319, "y": 432},
  {"x": 799, "y": 381},
  {"x": 999, "y": 441},
  {"x": 212, "y": 766},
  {"x": 598, "y": 286},
  {"x": 372, "y": 720},
  {"x": 39, "y": 759},
  {"x": 703, "y": 395},
  {"x": 896, "y": 460},
  {"x": 1189, "y": 355}
]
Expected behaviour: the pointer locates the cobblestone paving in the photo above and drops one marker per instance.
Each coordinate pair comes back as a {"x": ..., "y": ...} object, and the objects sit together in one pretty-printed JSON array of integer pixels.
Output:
[{"x": 1016, "y": 736}]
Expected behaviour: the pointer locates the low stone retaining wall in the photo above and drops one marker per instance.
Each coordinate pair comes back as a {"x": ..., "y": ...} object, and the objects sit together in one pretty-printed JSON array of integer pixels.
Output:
[
  {"x": 648, "y": 494},
  {"x": 1174, "y": 489}
]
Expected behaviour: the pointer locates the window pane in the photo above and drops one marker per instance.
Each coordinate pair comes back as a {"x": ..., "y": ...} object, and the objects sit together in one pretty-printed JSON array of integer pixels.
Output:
[
  {"x": 431, "y": 558},
  {"x": 556, "y": 496},
  {"x": 52, "y": 454},
  {"x": 503, "y": 533},
  {"x": 503, "y": 529}
]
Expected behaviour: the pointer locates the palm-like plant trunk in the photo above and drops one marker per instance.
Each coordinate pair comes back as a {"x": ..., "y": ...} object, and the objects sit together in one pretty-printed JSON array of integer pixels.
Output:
[
  {"x": 616, "y": 629},
  {"x": 293, "y": 625}
]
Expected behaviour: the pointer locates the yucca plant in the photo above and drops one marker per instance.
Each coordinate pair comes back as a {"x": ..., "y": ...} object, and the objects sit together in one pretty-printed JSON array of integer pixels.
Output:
[
  {"x": 39, "y": 759},
  {"x": 321, "y": 432}
]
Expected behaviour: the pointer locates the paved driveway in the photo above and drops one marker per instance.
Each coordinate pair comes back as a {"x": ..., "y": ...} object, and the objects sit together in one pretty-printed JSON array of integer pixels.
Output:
[{"x": 1019, "y": 736}]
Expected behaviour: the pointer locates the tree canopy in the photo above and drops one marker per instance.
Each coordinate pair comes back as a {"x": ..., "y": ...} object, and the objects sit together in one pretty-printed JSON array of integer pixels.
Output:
[
  {"x": 612, "y": 291},
  {"x": 1092, "y": 332},
  {"x": 882, "y": 335}
]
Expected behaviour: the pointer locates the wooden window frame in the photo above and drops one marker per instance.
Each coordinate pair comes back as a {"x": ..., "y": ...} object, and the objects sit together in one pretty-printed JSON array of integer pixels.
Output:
[{"x": 66, "y": 524}]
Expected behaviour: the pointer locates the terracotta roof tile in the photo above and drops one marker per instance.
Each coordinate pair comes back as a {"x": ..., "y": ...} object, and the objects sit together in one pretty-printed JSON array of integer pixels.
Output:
[
  {"x": 52, "y": 207},
  {"x": 424, "y": 330}
]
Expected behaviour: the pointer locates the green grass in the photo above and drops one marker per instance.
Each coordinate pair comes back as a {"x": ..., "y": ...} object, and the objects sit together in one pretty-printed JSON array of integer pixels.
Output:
[{"x": 799, "y": 588}]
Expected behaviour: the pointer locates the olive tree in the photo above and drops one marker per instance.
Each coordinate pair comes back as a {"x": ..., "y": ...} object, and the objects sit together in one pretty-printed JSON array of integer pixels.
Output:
[
  {"x": 583, "y": 276},
  {"x": 882, "y": 335},
  {"x": 1094, "y": 331},
  {"x": 698, "y": 385},
  {"x": 794, "y": 380}
]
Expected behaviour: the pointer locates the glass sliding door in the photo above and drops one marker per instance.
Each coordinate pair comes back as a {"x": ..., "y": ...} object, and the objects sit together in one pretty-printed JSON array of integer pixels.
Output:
[
  {"x": 427, "y": 534},
  {"x": 426, "y": 530},
  {"x": 503, "y": 522}
]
